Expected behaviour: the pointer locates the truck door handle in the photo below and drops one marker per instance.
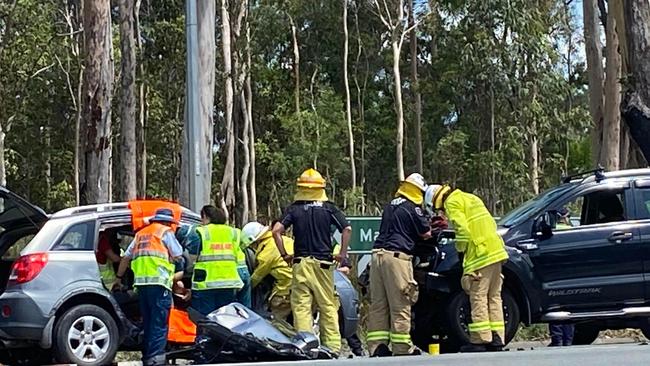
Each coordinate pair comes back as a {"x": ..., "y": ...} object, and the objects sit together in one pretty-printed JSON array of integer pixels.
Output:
[
  {"x": 527, "y": 244},
  {"x": 620, "y": 236}
]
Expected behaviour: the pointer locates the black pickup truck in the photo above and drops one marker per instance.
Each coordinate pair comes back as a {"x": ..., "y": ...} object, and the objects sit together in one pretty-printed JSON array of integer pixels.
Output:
[{"x": 594, "y": 272}]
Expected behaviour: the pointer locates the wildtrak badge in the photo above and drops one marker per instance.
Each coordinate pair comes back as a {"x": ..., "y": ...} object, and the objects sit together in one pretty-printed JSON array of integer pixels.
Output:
[{"x": 577, "y": 291}]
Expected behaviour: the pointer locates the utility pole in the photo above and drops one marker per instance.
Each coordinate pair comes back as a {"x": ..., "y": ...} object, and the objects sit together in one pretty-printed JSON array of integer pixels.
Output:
[{"x": 193, "y": 119}]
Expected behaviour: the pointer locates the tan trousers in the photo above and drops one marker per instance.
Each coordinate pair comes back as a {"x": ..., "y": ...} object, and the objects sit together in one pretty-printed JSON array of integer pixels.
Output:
[
  {"x": 281, "y": 309},
  {"x": 484, "y": 290},
  {"x": 313, "y": 284},
  {"x": 392, "y": 292}
]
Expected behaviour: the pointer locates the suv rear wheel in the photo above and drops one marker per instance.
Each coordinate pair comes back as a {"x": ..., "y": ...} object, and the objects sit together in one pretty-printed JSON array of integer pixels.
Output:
[
  {"x": 86, "y": 335},
  {"x": 458, "y": 315}
]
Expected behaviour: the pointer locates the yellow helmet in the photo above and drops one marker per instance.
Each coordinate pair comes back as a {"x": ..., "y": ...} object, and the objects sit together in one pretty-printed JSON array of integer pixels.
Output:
[
  {"x": 434, "y": 197},
  {"x": 311, "y": 178}
]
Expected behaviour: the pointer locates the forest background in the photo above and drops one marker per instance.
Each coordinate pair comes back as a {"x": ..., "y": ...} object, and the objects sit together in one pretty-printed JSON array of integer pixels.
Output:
[{"x": 497, "y": 97}]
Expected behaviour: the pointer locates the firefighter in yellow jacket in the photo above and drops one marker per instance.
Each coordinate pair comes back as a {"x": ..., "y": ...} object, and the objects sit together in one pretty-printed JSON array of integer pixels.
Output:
[
  {"x": 269, "y": 262},
  {"x": 483, "y": 256}
]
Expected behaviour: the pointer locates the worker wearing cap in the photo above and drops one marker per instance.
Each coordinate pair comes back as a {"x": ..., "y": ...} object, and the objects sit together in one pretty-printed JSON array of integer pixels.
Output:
[
  {"x": 392, "y": 287},
  {"x": 152, "y": 254},
  {"x": 215, "y": 281},
  {"x": 483, "y": 254},
  {"x": 311, "y": 216},
  {"x": 269, "y": 262}
]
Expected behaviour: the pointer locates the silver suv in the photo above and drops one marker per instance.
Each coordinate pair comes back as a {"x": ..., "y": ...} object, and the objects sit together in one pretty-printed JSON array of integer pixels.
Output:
[
  {"x": 54, "y": 297},
  {"x": 55, "y": 305}
]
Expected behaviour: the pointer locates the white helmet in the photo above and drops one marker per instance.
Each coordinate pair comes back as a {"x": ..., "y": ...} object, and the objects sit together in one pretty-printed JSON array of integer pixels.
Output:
[
  {"x": 251, "y": 232},
  {"x": 428, "y": 197},
  {"x": 417, "y": 180}
]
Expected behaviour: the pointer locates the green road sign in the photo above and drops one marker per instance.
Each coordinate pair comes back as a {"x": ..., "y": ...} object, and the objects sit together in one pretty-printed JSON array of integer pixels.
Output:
[{"x": 364, "y": 232}]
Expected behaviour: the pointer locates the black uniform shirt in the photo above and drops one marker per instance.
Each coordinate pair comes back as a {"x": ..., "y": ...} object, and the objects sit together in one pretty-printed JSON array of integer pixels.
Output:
[
  {"x": 402, "y": 224},
  {"x": 311, "y": 223}
]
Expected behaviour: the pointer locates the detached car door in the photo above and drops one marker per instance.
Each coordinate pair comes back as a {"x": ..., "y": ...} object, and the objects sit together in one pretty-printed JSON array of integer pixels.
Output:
[{"x": 597, "y": 262}]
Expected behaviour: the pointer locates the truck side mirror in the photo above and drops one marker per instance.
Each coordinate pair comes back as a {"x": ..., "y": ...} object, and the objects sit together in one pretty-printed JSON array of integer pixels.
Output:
[{"x": 543, "y": 226}]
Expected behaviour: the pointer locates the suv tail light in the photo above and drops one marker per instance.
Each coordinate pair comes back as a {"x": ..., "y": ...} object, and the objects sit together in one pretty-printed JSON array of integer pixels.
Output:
[{"x": 27, "y": 267}]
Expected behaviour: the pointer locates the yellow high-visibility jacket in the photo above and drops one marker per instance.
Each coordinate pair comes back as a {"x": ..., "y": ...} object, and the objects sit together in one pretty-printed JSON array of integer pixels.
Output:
[
  {"x": 269, "y": 262},
  {"x": 476, "y": 231}
]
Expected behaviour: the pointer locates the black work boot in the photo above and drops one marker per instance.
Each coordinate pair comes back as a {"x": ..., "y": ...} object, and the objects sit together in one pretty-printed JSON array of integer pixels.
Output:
[
  {"x": 497, "y": 343},
  {"x": 415, "y": 352},
  {"x": 382, "y": 351},
  {"x": 473, "y": 348}
]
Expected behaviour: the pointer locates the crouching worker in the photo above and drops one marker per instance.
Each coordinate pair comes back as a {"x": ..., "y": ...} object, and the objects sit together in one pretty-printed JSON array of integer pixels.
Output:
[
  {"x": 393, "y": 289},
  {"x": 152, "y": 254},
  {"x": 269, "y": 262},
  {"x": 483, "y": 256}
]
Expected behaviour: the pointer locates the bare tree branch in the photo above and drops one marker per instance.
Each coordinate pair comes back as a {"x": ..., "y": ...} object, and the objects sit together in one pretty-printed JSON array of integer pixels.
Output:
[
  {"x": 66, "y": 72},
  {"x": 388, "y": 13},
  {"x": 381, "y": 16},
  {"x": 42, "y": 69}
]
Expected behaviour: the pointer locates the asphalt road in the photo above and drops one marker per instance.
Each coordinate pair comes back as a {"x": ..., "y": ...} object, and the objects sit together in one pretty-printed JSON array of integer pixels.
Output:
[{"x": 599, "y": 355}]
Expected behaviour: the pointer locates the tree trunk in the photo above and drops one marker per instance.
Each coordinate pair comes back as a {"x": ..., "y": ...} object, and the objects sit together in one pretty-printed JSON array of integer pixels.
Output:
[
  {"x": 228, "y": 181},
  {"x": 637, "y": 100},
  {"x": 296, "y": 66},
  {"x": 140, "y": 131},
  {"x": 316, "y": 148},
  {"x": 47, "y": 152},
  {"x": 493, "y": 173},
  {"x": 360, "y": 109},
  {"x": 399, "y": 153},
  {"x": 97, "y": 95},
  {"x": 251, "y": 129},
  {"x": 348, "y": 108},
  {"x": 417, "y": 96},
  {"x": 624, "y": 153},
  {"x": 534, "y": 159},
  {"x": 76, "y": 42},
  {"x": 593, "y": 50},
  {"x": 243, "y": 180},
  {"x": 3, "y": 169},
  {"x": 127, "y": 172},
  {"x": 612, "y": 121}
]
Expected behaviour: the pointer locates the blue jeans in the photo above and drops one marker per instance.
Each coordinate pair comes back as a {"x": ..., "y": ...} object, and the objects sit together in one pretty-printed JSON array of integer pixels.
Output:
[
  {"x": 244, "y": 294},
  {"x": 561, "y": 334},
  {"x": 207, "y": 301},
  {"x": 155, "y": 304}
]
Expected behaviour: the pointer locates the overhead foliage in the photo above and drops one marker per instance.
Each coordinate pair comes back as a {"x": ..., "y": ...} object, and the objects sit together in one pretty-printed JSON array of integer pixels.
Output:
[{"x": 496, "y": 77}]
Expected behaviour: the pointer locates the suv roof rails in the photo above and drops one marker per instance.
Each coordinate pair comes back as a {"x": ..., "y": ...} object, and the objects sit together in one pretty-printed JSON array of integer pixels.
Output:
[
  {"x": 598, "y": 173},
  {"x": 92, "y": 208}
]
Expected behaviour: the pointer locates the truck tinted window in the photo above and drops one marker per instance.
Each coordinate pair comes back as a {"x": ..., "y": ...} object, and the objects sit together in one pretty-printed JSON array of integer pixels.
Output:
[
  {"x": 643, "y": 199},
  {"x": 78, "y": 237},
  {"x": 593, "y": 208},
  {"x": 536, "y": 205}
]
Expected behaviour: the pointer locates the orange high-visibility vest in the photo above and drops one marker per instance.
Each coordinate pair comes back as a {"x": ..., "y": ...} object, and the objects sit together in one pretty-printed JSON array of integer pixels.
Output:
[{"x": 151, "y": 264}]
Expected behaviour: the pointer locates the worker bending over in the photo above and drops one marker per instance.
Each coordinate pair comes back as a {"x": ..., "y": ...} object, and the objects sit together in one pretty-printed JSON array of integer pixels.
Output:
[{"x": 483, "y": 254}]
